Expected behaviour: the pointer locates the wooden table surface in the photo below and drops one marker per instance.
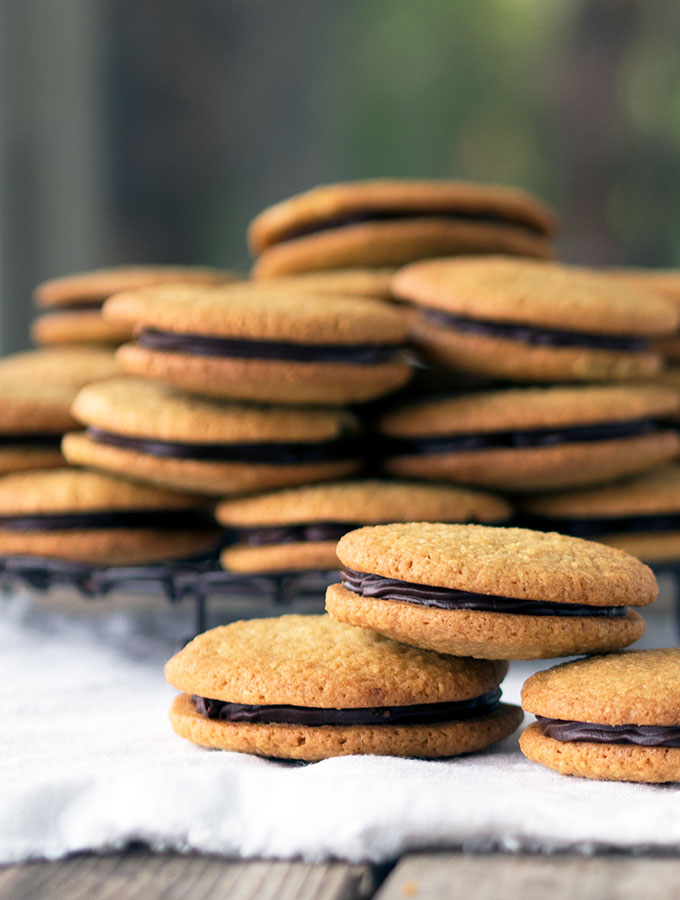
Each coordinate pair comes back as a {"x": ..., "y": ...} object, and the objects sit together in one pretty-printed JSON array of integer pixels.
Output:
[{"x": 140, "y": 875}]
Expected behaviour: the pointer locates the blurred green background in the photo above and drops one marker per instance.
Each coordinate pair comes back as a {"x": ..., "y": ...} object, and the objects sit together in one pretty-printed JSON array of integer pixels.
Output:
[{"x": 153, "y": 130}]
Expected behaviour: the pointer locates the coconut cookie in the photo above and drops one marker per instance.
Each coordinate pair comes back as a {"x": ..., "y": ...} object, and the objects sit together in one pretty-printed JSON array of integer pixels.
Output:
[
  {"x": 298, "y": 528},
  {"x": 390, "y": 222},
  {"x": 492, "y": 593},
  {"x": 74, "y": 365},
  {"x": 88, "y": 517},
  {"x": 528, "y": 439},
  {"x": 153, "y": 432},
  {"x": 307, "y": 687},
  {"x": 614, "y": 717},
  {"x": 532, "y": 321},
  {"x": 73, "y": 303},
  {"x": 259, "y": 342},
  {"x": 640, "y": 515}
]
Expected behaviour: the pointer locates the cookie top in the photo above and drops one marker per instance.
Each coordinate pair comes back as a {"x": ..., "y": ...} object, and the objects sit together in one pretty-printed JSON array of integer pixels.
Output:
[
  {"x": 369, "y": 501},
  {"x": 528, "y": 408},
  {"x": 35, "y": 407},
  {"x": 361, "y": 282},
  {"x": 140, "y": 407},
  {"x": 79, "y": 490},
  {"x": 664, "y": 281},
  {"x": 316, "y": 661},
  {"x": 542, "y": 294},
  {"x": 631, "y": 687},
  {"x": 504, "y": 562},
  {"x": 74, "y": 365},
  {"x": 259, "y": 310},
  {"x": 657, "y": 491},
  {"x": 344, "y": 200},
  {"x": 86, "y": 287}
]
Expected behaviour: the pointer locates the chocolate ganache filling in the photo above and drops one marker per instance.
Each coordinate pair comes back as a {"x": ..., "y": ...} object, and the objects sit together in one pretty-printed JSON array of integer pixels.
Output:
[
  {"x": 198, "y": 345},
  {"x": 537, "y": 437},
  {"x": 293, "y": 534},
  {"x": 379, "y": 587},
  {"x": 283, "y": 453},
  {"x": 165, "y": 519},
  {"x": 530, "y": 334},
  {"x": 49, "y": 441},
  {"x": 597, "y": 526},
  {"x": 416, "y": 714},
  {"x": 642, "y": 735}
]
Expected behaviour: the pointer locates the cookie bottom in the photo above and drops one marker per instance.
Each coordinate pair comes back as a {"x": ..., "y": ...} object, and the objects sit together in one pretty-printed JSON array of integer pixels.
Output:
[
  {"x": 311, "y": 743},
  {"x": 24, "y": 459},
  {"x": 605, "y": 762},
  {"x": 78, "y": 326},
  {"x": 484, "y": 635},
  {"x": 650, "y": 547},
  {"x": 293, "y": 557}
]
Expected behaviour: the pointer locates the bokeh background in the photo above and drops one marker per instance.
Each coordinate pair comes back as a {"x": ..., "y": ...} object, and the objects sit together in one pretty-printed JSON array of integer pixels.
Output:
[{"x": 153, "y": 130}]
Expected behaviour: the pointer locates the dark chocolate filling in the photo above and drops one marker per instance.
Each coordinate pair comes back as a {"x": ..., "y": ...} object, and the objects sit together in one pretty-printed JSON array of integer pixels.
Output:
[
  {"x": 198, "y": 345},
  {"x": 167, "y": 519},
  {"x": 289, "y": 453},
  {"x": 537, "y": 437},
  {"x": 396, "y": 215},
  {"x": 597, "y": 526},
  {"x": 529, "y": 334},
  {"x": 293, "y": 534},
  {"x": 89, "y": 306},
  {"x": 48, "y": 441},
  {"x": 642, "y": 735},
  {"x": 416, "y": 714},
  {"x": 376, "y": 586}
]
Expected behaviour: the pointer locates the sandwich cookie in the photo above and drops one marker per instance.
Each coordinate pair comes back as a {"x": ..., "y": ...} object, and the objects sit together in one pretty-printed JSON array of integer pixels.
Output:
[
  {"x": 614, "y": 717},
  {"x": 257, "y": 342},
  {"x": 74, "y": 365},
  {"x": 665, "y": 282},
  {"x": 33, "y": 417},
  {"x": 153, "y": 432},
  {"x": 73, "y": 303},
  {"x": 492, "y": 593},
  {"x": 298, "y": 528},
  {"x": 92, "y": 518},
  {"x": 530, "y": 321},
  {"x": 306, "y": 687},
  {"x": 390, "y": 222},
  {"x": 640, "y": 516},
  {"x": 346, "y": 282},
  {"x": 528, "y": 439}
]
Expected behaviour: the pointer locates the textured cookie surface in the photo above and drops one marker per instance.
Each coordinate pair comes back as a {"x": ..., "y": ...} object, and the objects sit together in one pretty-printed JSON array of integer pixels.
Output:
[
  {"x": 31, "y": 407},
  {"x": 296, "y": 556},
  {"x": 361, "y": 282},
  {"x": 74, "y": 365},
  {"x": 535, "y": 293},
  {"x": 508, "y": 562},
  {"x": 315, "y": 661}
]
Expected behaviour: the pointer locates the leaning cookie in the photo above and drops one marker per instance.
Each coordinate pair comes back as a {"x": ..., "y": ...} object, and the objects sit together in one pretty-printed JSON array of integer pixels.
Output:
[
  {"x": 528, "y": 439},
  {"x": 306, "y": 687},
  {"x": 88, "y": 517},
  {"x": 72, "y": 304},
  {"x": 614, "y": 717},
  {"x": 530, "y": 321},
  {"x": 298, "y": 528},
  {"x": 152, "y": 432},
  {"x": 256, "y": 341},
  {"x": 389, "y": 222},
  {"x": 640, "y": 515},
  {"x": 492, "y": 593}
]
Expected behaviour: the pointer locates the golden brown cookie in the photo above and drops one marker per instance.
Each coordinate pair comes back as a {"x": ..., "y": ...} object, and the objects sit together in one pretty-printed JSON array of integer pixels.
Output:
[
  {"x": 614, "y": 717},
  {"x": 528, "y": 439},
  {"x": 533, "y": 321},
  {"x": 307, "y": 687},
  {"x": 86, "y": 326},
  {"x": 89, "y": 517},
  {"x": 390, "y": 222},
  {"x": 298, "y": 528},
  {"x": 73, "y": 364},
  {"x": 492, "y": 593},
  {"x": 346, "y": 282},
  {"x": 152, "y": 432},
  {"x": 257, "y": 341}
]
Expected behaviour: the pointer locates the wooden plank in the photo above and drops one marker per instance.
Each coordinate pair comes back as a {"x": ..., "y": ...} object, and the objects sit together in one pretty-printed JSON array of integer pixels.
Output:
[
  {"x": 487, "y": 877},
  {"x": 145, "y": 876}
]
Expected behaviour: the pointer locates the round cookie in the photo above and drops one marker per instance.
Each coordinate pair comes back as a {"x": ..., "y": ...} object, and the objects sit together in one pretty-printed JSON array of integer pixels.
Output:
[
  {"x": 614, "y": 717},
  {"x": 256, "y": 341},
  {"x": 492, "y": 593},
  {"x": 306, "y": 687},
  {"x": 298, "y": 528},
  {"x": 665, "y": 282},
  {"x": 74, "y": 365},
  {"x": 346, "y": 282},
  {"x": 153, "y": 432},
  {"x": 530, "y": 321},
  {"x": 93, "y": 518},
  {"x": 390, "y": 222},
  {"x": 640, "y": 515},
  {"x": 528, "y": 439}
]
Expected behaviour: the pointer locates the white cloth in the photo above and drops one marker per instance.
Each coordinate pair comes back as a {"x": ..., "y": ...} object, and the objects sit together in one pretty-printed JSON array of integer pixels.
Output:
[{"x": 88, "y": 762}]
